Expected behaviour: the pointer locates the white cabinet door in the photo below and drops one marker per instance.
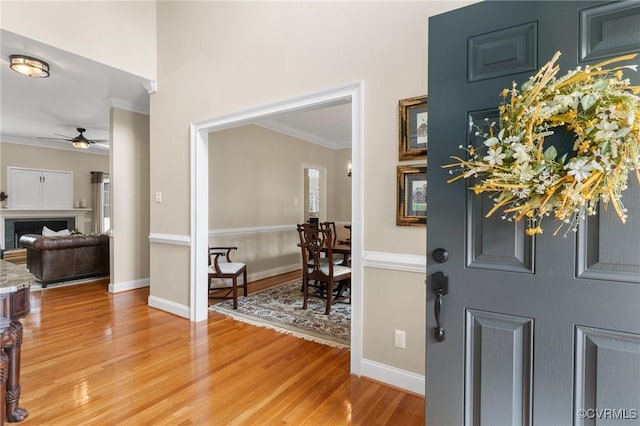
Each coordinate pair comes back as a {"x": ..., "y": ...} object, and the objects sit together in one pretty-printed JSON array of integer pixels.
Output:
[
  {"x": 56, "y": 190},
  {"x": 40, "y": 189},
  {"x": 25, "y": 189}
]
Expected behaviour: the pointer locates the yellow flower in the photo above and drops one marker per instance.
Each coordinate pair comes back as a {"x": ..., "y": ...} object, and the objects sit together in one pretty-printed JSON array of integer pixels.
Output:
[
  {"x": 584, "y": 146},
  {"x": 533, "y": 231}
]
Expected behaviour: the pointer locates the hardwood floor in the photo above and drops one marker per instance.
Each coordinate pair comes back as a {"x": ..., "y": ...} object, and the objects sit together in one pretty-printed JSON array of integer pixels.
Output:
[{"x": 94, "y": 358}]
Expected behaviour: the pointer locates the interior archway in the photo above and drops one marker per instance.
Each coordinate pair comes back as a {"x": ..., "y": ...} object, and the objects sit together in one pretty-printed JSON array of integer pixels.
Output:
[{"x": 200, "y": 197}]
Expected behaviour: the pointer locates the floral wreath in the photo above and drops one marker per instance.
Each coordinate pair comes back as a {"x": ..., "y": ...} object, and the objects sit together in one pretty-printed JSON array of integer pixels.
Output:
[{"x": 528, "y": 180}]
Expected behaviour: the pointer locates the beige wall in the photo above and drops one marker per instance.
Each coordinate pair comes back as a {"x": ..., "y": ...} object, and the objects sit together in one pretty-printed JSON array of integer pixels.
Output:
[
  {"x": 129, "y": 170},
  {"x": 121, "y": 34},
  {"x": 256, "y": 180},
  {"x": 216, "y": 58},
  {"x": 78, "y": 162}
]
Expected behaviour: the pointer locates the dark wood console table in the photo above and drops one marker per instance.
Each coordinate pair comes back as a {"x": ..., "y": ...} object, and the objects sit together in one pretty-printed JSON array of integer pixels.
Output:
[{"x": 15, "y": 282}]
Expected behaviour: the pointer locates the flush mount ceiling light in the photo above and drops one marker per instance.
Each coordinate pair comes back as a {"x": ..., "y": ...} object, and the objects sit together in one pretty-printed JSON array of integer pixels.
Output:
[{"x": 29, "y": 66}]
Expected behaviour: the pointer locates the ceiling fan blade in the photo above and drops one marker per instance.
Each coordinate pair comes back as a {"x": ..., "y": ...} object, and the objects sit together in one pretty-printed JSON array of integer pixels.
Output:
[
  {"x": 99, "y": 140},
  {"x": 64, "y": 136},
  {"x": 54, "y": 139}
]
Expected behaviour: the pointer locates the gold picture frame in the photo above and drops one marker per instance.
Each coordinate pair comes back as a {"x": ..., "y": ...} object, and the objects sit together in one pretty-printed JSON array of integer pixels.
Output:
[
  {"x": 412, "y": 196},
  {"x": 413, "y": 128}
]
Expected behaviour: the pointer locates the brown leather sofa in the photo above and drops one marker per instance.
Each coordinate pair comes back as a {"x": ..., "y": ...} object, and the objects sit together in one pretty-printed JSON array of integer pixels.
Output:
[{"x": 60, "y": 258}]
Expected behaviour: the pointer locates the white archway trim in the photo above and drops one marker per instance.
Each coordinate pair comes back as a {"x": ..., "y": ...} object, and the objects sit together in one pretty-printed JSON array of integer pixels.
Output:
[{"x": 200, "y": 198}]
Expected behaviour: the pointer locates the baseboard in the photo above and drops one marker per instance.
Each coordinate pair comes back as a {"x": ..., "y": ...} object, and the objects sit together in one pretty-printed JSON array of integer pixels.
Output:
[
  {"x": 403, "y": 379},
  {"x": 169, "y": 306},
  {"x": 128, "y": 285}
]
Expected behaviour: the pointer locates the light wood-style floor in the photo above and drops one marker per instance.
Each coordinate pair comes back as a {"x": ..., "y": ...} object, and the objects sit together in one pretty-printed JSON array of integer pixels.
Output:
[{"x": 94, "y": 358}]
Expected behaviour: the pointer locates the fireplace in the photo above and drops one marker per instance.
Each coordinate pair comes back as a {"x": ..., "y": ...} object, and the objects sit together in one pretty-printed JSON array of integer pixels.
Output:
[{"x": 15, "y": 228}]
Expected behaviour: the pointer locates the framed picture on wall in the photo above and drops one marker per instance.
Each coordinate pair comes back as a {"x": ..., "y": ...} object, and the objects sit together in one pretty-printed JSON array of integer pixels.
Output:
[
  {"x": 412, "y": 196},
  {"x": 413, "y": 128}
]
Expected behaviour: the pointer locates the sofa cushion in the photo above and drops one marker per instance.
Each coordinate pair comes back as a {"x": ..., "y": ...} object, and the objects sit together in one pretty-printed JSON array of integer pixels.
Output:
[{"x": 46, "y": 232}]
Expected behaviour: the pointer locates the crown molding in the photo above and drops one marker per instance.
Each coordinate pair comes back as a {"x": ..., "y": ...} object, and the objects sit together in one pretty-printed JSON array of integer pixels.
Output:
[
  {"x": 99, "y": 149},
  {"x": 126, "y": 105},
  {"x": 151, "y": 86},
  {"x": 270, "y": 124}
]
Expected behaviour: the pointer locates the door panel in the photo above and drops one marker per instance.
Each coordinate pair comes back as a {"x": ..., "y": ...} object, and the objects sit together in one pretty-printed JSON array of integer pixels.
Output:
[
  {"x": 609, "y": 30},
  {"x": 603, "y": 243},
  {"x": 493, "y": 243},
  {"x": 536, "y": 327},
  {"x": 607, "y": 363},
  {"x": 503, "y": 344},
  {"x": 503, "y": 52}
]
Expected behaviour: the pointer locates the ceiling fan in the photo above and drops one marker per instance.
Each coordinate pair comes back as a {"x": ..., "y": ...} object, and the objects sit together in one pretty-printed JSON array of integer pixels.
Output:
[{"x": 79, "y": 141}]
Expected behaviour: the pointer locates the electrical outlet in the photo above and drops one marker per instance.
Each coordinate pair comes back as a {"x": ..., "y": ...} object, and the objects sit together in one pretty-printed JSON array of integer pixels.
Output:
[
  {"x": 158, "y": 197},
  {"x": 400, "y": 340}
]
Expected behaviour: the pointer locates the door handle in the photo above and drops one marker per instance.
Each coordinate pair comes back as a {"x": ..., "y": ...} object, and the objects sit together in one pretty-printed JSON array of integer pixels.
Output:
[{"x": 440, "y": 287}]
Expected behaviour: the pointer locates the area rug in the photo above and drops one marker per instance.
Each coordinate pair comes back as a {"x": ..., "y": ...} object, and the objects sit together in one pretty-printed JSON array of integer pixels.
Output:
[{"x": 280, "y": 308}]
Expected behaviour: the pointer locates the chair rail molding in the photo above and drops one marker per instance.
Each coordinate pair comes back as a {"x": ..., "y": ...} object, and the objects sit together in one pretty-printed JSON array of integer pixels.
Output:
[
  {"x": 395, "y": 261},
  {"x": 172, "y": 239},
  {"x": 250, "y": 230}
]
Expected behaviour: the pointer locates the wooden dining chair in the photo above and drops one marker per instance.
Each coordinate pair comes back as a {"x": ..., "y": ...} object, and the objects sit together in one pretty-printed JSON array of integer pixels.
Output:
[
  {"x": 330, "y": 281},
  {"x": 224, "y": 273}
]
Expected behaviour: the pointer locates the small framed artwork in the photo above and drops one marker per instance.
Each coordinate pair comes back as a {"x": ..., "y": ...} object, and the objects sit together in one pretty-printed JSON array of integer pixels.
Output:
[
  {"x": 413, "y": 128},
  {"x": 412, "y": 196}
]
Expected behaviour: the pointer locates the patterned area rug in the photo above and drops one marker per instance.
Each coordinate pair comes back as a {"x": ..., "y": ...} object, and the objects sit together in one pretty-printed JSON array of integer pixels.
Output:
[{"x": 280, "y": 308}]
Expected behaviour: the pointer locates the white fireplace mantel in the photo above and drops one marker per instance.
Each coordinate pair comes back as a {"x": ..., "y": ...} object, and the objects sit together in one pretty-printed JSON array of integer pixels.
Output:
[{"x": 80, "y": 215}]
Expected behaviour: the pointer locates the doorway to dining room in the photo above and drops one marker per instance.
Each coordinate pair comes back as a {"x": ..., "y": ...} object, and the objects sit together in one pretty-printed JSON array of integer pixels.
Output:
[{"x": 200, "y": 195}]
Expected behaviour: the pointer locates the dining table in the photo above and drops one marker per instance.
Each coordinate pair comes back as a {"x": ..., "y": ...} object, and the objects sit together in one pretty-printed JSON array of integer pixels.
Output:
[{"x": 342, "y": 247}]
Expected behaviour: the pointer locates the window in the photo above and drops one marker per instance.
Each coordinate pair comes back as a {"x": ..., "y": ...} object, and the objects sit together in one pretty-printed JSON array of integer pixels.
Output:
[
  {"x": 106, "y": 214},
  {"x": 314, "y": 192}
]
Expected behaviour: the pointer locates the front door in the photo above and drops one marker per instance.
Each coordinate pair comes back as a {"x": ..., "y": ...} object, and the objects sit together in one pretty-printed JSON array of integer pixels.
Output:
[{"x": 534, "y": 330}]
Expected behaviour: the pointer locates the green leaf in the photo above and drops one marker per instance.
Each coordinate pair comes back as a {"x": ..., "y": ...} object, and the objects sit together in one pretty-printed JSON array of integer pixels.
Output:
[
  {"x": 588, "y": 101},
  {"x": 550, "y": 153},
  {"x": 563, "y": 159},
  {"x": 623, "y": 132},
  {"x": 601, "y": 84}
]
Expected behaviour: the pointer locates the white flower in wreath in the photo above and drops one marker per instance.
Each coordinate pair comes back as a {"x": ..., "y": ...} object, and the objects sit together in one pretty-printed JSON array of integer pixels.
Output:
[
  {"x": 567, "y": 101},
  {"x": 521, "y": 192},
  {"x": 606, "y": 130},
  {"x": 512, "y": 139},
  {"x": 495, "y": 156},
  {"x": 543, "y": 181},
  {"x": 607, "y": 112},
  {"x": 491, "y": 142},
  {"x": 579, "y": 168},
  {"x": 520, "y": 153},
  {"x": 525, "y": 173}
]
